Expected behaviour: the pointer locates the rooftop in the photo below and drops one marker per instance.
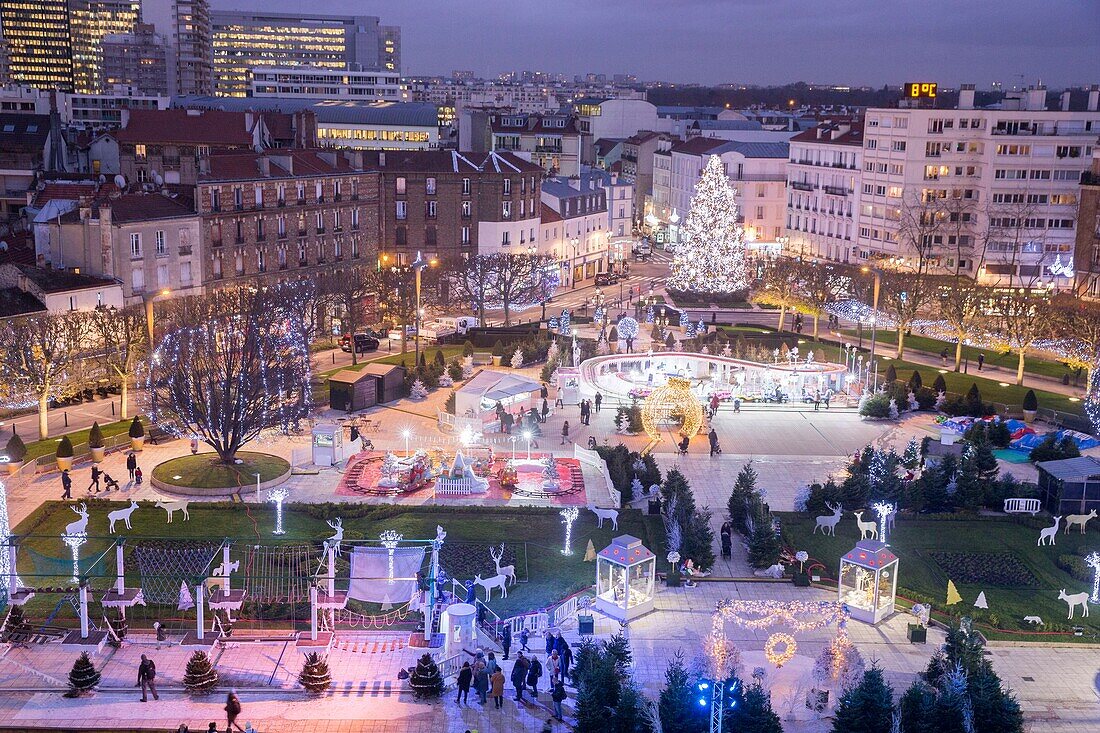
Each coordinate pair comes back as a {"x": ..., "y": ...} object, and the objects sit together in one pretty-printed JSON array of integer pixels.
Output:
[
  {"x": 1072, "y": 469},
  {"x": 726, "y": 125},
  {"x": 234, "y": 165},
  {"x": 28, "y": 133},
  {"x": 57, "y": 281},
  {"x": 698, "y": 145},
  {"x": 137, "y": 206},
  {"x": 353, "y": 112},
  {"x": 754, "y": 149},
  {"x": 833, "y": 133},
  {"x": 15, "y": 302},
  {"x": 198, "y": 127}
]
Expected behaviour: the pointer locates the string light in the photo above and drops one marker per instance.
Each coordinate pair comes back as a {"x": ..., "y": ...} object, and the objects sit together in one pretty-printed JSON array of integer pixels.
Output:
[
  {"x": 74, "y": 541},
  {"x": 883, "y": 509},
  {"x": 627, "y": 328},
  {"x": 780, "y": 648},
  {"x": 7, "y": 573},
  {"x": 799, "y": 616},
  {"x": 278, "y": 495},
  {"x": 390, "y": 539},
  {"x": 569, "y": 516},
  {"x": 1093, "y": 561},
  {"x": 673, "y": 397}
]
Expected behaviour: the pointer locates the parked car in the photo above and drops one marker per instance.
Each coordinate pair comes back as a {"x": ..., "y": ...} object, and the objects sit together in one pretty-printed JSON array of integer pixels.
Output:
[
  {"x": 363, "y": 343},
  {"x": 607, "y": 278}
]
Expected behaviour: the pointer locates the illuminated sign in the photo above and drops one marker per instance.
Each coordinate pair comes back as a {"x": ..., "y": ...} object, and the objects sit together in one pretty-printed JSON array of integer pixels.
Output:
[{"x": 920, "y": 90}]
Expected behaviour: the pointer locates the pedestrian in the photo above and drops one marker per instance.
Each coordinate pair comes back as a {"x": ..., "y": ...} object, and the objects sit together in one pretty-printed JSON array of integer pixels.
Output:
[
  {"x": 534, "y": 672},
  {"x": 581, "y": 406},
  {"x": 712, "y": 436},
  {"x": 481, "y": 683},
  {"x": 232, "y": 710},
  {"x": 630, "y": 345},
  {"x": 147, "y": 675},
  {"x": 828, "y": 396},
  {"x": 137, "y": 475},
  {"x": 599, "y": 399},
  {"x": 736, "y": 404},
  {"x": 558, "y": 695},
  {"x": 497, "y": 688},
  {"x": 981, "y": 360},
  {"x": 553, "y": 667},
  {"x": 549, "y": 636},
  {"x": 519, "y": 675},
  {"x": 524, "y": 635},
  {"x": 131, "y": 464},
  {"x": 67, "y": 485},
  {"x": 943, "y": 356},
  {"x": 95, "y": 478},
  {"x": 565, "y": 432},
  {"x": 817, "y": 400},
  {"x": 545, "y": 409},
  {"x": 506, "y": 639},
  {"x": 465, "y": 678},
  {"x": 714, "y": 402},
  {"x": 566, "y": 653},
  {"x": 544, "y": 392},
  {"x": 491, "y": 664}
]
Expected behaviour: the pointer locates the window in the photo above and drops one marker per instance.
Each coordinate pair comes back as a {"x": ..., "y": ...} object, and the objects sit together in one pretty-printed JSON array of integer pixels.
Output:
[
  {"x": 465, "y": 186},
  {"x": 506, "y": 209},
  {"x": 465, "y": 237},
  {"x": 431, "y": 208},
  {"x": 402, "y": 209},
  {"x": 429, "y": 186},
  {"x": 135, "y": 244},
  {"x": 1067, "y": 175},
  {"x": 259, "y": 194},
  {"x": 185, "y": 272},
  {"x": 217, "y": 264},
  {"x": 507, "y": 186},
  {"x": 337, "y": 247},
  {"x": 1008, "y": 198},
  {"x": 1013, "y": 150},
  {"x": 319, "y": 190},
  {"x": 430, "y": 238},
  {"x": 872, "y": 143},
  {"x": 162, "y": 276},
  {"x": 302, "y": 254},
  {"x": 935, "y": 126},
  {"x": 505, "y": 238},
  {"x": 216, "y": 199},
  {"x": 1010, "y": 174},
  {"x": 238, "y": 197},
  {"x": 400, "y": 186},
  {"x": 466, "y": 207},
  {"x": 281, "y": 193},
  {"x": 319, "y": 221},
  {"x": 898, "y": 146},
  {"x": 400, "y": 236},
  {"x": 281, "y": 223},
  {"x": 355, "y": 218},
  {"x": 337, "y": 225},
  {"x": 1040, "y": 175},
  {"x": 139, "y": 152},
  {"x": 1036, "y": 198},
  {"x": 894, "y": 192},
  {"x": 138, "y": 280}
]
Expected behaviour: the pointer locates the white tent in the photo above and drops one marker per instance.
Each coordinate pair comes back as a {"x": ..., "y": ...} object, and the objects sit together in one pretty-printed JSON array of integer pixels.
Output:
[{"x": 480, "y": 396}]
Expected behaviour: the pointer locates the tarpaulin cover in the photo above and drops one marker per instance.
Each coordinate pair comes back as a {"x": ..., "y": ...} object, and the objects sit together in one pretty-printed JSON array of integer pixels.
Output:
[{"x": 371, "y": 579}]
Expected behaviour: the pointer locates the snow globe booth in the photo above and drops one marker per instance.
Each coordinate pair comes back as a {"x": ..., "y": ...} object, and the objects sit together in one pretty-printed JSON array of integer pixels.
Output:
[
  {"x": 626, "y": 571},
  {"x": 869, "y": 581}
]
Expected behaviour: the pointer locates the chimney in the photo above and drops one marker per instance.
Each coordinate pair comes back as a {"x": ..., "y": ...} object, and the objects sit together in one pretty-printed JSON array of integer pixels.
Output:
[
  {"x": 382, "y": 159},
  {"x": 106, "y": 243},
  {"x": 354, "y": 158},
  {"x": 264, "y": 165},
  {"x": 204, "y": 165},
  {"x": 329, "y": 156},
  {"x": 1037, "y": 98},
  {"x": 1094, "y": 98},
  {"x": 966, "y": 96},
  {"x": 1065, "y": 100}
]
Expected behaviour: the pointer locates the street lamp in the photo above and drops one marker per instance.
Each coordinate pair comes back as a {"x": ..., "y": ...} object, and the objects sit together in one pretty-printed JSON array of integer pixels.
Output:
[
  {"x": 406, "y": 434},
  {"x": 874, "y": 306},
  {"x": 575, "y": 243},
  {"x": 526, "y": 436},
  {"x": 418, "y": 265}
]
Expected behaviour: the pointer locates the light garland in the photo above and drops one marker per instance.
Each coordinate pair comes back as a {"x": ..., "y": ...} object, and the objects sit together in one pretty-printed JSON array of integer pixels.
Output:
[
  {"x": 883, "y": 509},
  {"x": 723, "y": 659},
  {"x": 780, "y": 648},
  {"x": 627, "y": 328},
  {"x": 1093, "y": 561},
  {"x": 800, "y": 616},
  {"x": 711, "y": 255},
  {"x": 1092, "y": 399},
  {"x": 6, "y": 571},
  {"x": 674, "y": 396},
  {"x": 390, "y": 539},
  {"x": 74, "y": 541},
  {"x": 278, "y": 495},
  {"x": 568, "y": 516}
]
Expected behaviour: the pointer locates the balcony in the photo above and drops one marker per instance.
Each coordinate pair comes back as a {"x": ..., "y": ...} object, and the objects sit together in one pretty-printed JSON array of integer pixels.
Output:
[
  {"x": 282, "y": 235},
  {"x": 238, "y": 206},
  {"x": 836, "y": 190},
  {"x": 556, "y": 149},
  {"x": 320, "y": 199},
  {"x": 303, "y": 263},
  {"x": 301, "y": 201},
  {"x": 340, "y": 197},
  {"x": 171, "y": 162},
  {"x": 186, "y": 250},
  {"x": 355, "y": 197},
  {"x": 261, "y": 237},
  {"x": 801, "y": 186},
  {"x": 302, "y": 232},
  {"x": 216, "y": 207}
]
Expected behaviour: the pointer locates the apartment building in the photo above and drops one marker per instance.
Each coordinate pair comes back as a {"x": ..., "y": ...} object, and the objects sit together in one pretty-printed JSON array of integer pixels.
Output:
[
  {"x": 1008, "y": 177},
  {"x": 550, "y": 141},
  {"x": 574, "y": 226},
  {"x": 137, "y": 61},
  {"x": 636, "y": 162},
  {"x": 1086, "y": 252},
  {"x": 278, "y": 214},
  {"x": 451, "y": 205},
  {"x": 656, "y": 214},
  {"x": 599, "y": 117},
  {"x": 823, "y": 190},
  {"x": 185, "y": 25},
  {"x": 315, "y": 82}
]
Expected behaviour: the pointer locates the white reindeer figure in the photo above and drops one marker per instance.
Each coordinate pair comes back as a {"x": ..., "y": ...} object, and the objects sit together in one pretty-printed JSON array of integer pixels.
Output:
[
  {"x": 123, "y": 514},
  {"x": 1080, "y": 520},
  {"x": 866, "y": 528},
  {"x": 335, "y": 540},
  {"x": 827, "y": 523},
  {"x": 602, "y": 514},
  {"x": 508, "y": 571},
  {"x": 222, "y": 570},
  {"x": 174, "y": 506},
  {"x": 80, "y": 526},
  {"x": 497, "y": 581},
  {"x": 1077, "y": 599},
  {"x": 1049, "y": 533}
]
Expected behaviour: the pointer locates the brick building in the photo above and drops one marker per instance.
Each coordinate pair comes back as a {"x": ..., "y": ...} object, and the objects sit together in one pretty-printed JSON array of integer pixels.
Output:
[
  {"x": 1086, "y": 251},
  {"x": 278, "y": 214}
]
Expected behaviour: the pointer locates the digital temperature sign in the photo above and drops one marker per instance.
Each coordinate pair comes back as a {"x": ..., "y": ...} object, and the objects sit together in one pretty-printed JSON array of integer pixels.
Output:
[{"x": 920, "y": 90}]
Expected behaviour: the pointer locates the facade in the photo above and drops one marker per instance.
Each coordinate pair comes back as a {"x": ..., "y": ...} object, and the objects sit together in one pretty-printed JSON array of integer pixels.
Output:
[
  {"x": 185, "y": 25},
  {"x": 574, "y": 227},
  {"x": 1012, "y": 172},
  {"x": 243, "y": 41},
  {"x": 1086, "y": 251},
  {"x": 136, "y": 61},
  {"x": 550, "y": 141},
  {"x": 105, "y": 110},
  {"x": 282, "y": 214},
  {"x": 823, "y": 190},
  {"x": 461, "y": 95},
  {"x": 24, "y": 150},
  {"x": 38, "y": 42},
  {"x": 308, "y": 82},
  {"x": 637, "y": 162},
  {"x": 90, "y": 21},
  {"x": 452, "y": 205},
  {"x": 657, "y": 214},
  {"x": 148, "y": 242},
  {"x": 611, "y": 118}
]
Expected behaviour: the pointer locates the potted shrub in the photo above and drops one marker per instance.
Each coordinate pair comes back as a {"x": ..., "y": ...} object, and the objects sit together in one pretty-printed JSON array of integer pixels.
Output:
[
  {"x": 95, "y": 443},
  {"x": 16, "y": 451},
  {"x": 1031, "y": 405},
  {"x": 917, "y": 634},
  {"x": 137, "y": 434},
  {"x": 64, "y": 454}
]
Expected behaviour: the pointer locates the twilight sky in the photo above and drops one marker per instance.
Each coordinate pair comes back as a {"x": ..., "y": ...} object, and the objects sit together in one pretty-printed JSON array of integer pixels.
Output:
[{"x": 751, "y": 41}]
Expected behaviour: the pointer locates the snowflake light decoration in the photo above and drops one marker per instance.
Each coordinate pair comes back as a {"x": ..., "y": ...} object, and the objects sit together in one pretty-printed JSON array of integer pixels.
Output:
[
  {"x": 390, "y": 539},
  {"x": 568, "y": 516}
]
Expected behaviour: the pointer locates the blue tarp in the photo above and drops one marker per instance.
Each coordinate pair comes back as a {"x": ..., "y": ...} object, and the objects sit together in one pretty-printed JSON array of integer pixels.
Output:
[{"x": 1027, "y": 442}]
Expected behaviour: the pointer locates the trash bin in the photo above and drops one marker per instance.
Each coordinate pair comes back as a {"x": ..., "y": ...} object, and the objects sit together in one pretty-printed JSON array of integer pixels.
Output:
[
  {"x": 654, "y": 506},
  {"x": 586, "y": 625}
]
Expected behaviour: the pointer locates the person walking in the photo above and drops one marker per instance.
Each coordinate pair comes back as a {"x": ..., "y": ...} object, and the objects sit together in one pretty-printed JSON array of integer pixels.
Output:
[
  {"x": 736, "y": 404},
  {"x": 481, "y": 682},
  {"x": 565, "y": 432},
  {"x": 553, "y": 667},
  {"x": 131, "y": 464},
  {"x": 506, "y": 639},
  {"x": 519, "y": 675},
  {"x": 599, "y": 400},
  {"x": 66, "y": 485},
  {"x": 465, "y": 678},
  {"x": 496, "y": 683},
  {"x": 713, "y": 437},
  {"x": 558, "y": 695},
  {"x": 232, "y": 710},
  {"x": 95, "y": 478},
  {"x": 534, "y": 673},
  {"x": 544, "y": 391},
  {"x": 981, "y": 360},
  {"x": 524, "y": 635},
  {"x": 549, "y": 636},
  {"x": 147, "y": 675},
  {"x": 545, "y": 409},
  {"x": 491, "y": 664},
  {"x": 566, "y": 653},
  {"x": 943, "y": 356}
]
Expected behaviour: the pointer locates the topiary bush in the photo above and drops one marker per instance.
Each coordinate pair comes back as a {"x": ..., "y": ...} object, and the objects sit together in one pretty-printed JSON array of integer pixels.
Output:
[
  {"x": 95, "y": 436},
  {"x": 940, "y": 385},
  {"x": 15, "y": 450},
  {"x": 1031, "y": 402},
  {"x": 137, "y": 430},
  {"x": 876, "y": 406},
  {"x": 891, "y": 374},
  {"x": 65, "y": 447}
]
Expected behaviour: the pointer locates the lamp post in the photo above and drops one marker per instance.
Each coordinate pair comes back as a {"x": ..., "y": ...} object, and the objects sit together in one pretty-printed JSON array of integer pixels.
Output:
[
  {"x": 526, "y": 436},
  {"x": 406, "y": 434},
  {"x": 418, "y": 265},
  {"x": 874, "y": 306},
  {"x": 575, "y": 243}
]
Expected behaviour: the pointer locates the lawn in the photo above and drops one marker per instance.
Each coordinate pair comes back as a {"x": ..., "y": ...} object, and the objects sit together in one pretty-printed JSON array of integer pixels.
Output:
[
  {"x": 450, "y": 351},
  {"x": 206, "y": 471},
  {"x": 46, "y": 447},
  {"x": 1019, "y": 579},
  {"x": 533, "y": 540}
]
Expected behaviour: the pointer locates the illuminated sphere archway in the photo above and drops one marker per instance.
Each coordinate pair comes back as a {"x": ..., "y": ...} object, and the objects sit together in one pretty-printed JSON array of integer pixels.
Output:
[{"x": 674, "y": 397}]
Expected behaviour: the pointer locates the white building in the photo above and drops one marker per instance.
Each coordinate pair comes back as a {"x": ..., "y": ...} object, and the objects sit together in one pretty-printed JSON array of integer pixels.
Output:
[
  {"x": 1013, "y": 171},
  {"x": 314, "y": 82},
  {"x": 613, "y": 118},
  {"x": 823, "y": 190},
  {"x": 574, "y": 226}
]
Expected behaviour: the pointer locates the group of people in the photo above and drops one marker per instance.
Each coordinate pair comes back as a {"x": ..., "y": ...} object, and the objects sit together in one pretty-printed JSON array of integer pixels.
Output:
[
  {"x": 586, "y": 408},
  {"x": 486, "y": 675},
  {"x": 99, "y": 475},
  {"x": 147, "y": 681}
]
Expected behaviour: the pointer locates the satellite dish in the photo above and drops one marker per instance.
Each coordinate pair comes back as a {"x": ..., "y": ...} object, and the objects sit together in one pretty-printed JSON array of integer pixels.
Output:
[
  {"x": 120, "y": 181},
  {"x": 157, "y": 177},
  {"x": 102, "y": 178}
]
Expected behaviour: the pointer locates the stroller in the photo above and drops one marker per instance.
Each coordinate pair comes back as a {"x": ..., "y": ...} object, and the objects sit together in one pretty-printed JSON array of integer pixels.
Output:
[{"x": 682, "y": 446}]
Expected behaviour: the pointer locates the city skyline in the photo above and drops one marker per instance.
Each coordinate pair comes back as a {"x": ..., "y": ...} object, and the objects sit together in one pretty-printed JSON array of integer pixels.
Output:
[{"x": 852, "y": 42}]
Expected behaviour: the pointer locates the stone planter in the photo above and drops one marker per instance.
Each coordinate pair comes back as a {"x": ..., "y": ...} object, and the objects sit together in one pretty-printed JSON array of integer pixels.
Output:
[
  {"x": 13, "y": 467},
  {"x": 672, "y": 580},
  {"x": 98, "y": 454},
  {"x": 64, "y": 464},
  {"x": 917, "y": 634},
  {"x": 137, "y": 443},
  {"x": 1029, "y": 415}
]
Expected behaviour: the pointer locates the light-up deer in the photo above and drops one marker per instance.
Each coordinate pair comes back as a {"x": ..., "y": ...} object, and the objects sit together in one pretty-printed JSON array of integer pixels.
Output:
[
  {"x": 80, "y": 526},
  {"x": 866, "y": 528},
  {"x": 827, "y": 522},
  {"x": 508, "y": 571},
  {"x": 123, "y": 514}
]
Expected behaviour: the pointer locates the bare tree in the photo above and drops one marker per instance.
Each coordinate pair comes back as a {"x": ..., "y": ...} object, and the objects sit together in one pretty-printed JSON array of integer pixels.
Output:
[
  {"x": 961, "y": 305},
  {"x": 348, "y": 292},
  {"x": 472, "y": 278},
  {"x": 394, "y": 288},
  {"x": 37, "y": 357},
  {"x": 782, "y": 287},
  {"x": 242, "y": 369},
  {"x": 519, "y": 280},
  {"x": 821, "y": 284},
  {"x": 1023, "y": 317},
  {"x": 121, "y": 335},
  {"x": 907, "y": 284},
  {"x": 1077, "y": 320}
]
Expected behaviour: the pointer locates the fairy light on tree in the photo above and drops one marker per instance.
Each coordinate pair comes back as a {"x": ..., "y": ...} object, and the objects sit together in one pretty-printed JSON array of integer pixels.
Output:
[
  {"x": 390, "y": 539},
  {"x": 6, "y": 573},
  {"x": 1093, "y": 561},
  {"x": 883, "y": 509},
  {"x": 568, "y": 516},
  {"x": 278, "y": 495},
  {"x": 711, "y": 255},
  {"x": 74, "y": 541}
]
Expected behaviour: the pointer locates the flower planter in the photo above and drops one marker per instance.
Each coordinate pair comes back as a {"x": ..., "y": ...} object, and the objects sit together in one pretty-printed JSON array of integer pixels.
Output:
[
  {"x": 64, "y": 464},
  {"x": 136, "y": 443},
  {"x": 1029, "y": 415},
  {"x": 672, "y": 580},
  {"x": 916, "y": 634},
  {"x": 13, "y": 467},
  {"x": 98, "y": 454}
]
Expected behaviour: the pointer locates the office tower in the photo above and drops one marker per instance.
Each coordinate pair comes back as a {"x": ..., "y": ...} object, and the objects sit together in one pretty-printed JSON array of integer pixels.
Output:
[
  {"x": 137, "y": 60},
  {"x": 38, "y": 41},
  {"x": 185, "y": 25}
]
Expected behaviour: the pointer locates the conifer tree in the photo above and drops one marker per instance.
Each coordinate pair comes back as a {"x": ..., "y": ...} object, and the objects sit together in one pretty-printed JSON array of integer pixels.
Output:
[
  {"x": 426, "y": 681},
  {"x": 315, "y": 676},
  {"x": 200, "y": 677},
  {"x": 753, "y": 713},
  {"x": 742, "y": 498},
  {"x": 678, "y": 708},
  {"x": 866, "y": 708},
  {"x": 618, "y": 647},
  {"x": 84, "y": 677}
]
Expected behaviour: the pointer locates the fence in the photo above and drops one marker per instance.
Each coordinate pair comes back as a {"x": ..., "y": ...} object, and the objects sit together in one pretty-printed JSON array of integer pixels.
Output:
[{"x": 593, "y": 459}]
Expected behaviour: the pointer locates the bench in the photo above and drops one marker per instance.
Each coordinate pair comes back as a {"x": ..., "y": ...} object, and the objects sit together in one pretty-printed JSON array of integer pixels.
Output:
[
  {"x": 1023, "y": 506},
  {"x": 483, "y": 358}
]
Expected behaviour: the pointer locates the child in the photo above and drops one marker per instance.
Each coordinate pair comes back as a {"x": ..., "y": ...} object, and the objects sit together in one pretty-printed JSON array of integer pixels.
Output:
[{"x": 137, "y": 475}]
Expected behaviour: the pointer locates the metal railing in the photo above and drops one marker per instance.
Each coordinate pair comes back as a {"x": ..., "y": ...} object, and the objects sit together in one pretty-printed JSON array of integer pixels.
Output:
[{"x": 592, "y": 458}]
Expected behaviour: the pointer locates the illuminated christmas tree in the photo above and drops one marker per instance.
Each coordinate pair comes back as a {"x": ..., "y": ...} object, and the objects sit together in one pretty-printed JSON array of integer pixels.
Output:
[{"x": 711, "y": 256}]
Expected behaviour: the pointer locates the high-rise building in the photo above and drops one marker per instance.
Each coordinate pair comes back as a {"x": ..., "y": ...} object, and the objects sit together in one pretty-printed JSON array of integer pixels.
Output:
[
  {"x": 185, "y": 25},
  {"x": 244, "y": 41},
  {"x": 136, "y": 60},
  {"x": 89, "y": 22}
]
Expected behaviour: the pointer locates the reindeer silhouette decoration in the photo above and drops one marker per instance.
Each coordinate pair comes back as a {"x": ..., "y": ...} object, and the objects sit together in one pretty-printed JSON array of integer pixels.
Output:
[
  {"x": 1080, "y": 520},
  {"x": 508, "y": 571},
  {"x": 123, "y": 514},
  {"x": 174, "y": 506},
  {"x": 1074, "y": 600},
  {"x": 497, "y": 581},
  {"x": 336, "y": 539},
  {"x": 827, "y": 522},
  {"x": 866, "y": 528},
  {"x": 602, "y": 514},
  {"x": 80, "y": 526},
  {"x": 1049, "y": 533}
]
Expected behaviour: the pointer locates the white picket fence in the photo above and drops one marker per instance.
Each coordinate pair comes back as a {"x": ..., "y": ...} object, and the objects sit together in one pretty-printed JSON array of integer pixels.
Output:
[{"x": 593, "y": 459}]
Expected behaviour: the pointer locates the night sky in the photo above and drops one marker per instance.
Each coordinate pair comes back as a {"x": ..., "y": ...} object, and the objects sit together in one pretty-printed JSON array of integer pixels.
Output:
[{"x": 853, "y": 42}]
